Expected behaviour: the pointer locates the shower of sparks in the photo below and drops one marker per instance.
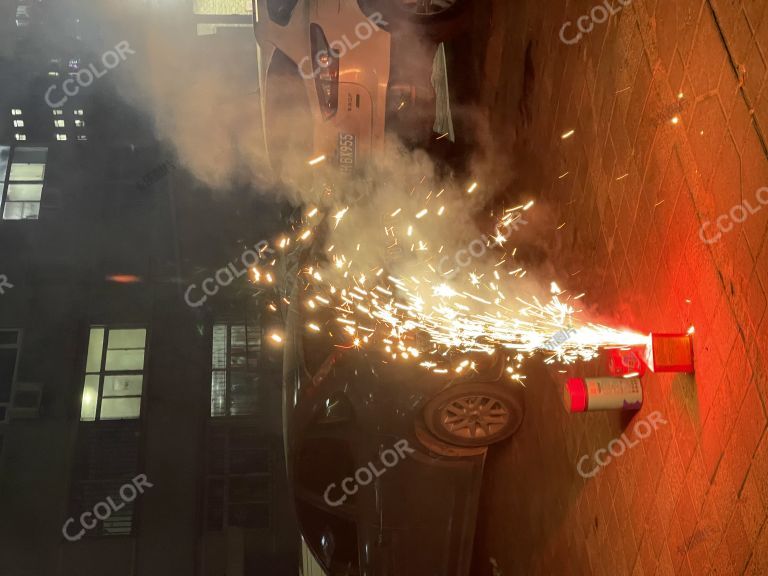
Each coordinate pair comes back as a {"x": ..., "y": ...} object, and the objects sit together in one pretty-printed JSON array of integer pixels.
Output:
[{"x": 442, "y": 323}]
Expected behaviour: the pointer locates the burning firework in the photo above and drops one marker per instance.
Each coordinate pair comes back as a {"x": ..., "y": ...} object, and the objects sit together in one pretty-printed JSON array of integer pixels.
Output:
[{"x": 352, "y": 294}]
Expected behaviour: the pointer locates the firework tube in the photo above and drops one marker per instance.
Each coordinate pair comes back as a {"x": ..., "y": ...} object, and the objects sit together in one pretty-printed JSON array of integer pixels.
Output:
[
  {"x": 670, "y": 353},
  {"x": 622, "y": 362},
  {"x": 588, "y": 394}
]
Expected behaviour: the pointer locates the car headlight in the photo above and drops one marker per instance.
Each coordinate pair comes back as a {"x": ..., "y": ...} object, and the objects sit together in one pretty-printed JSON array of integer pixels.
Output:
[{"x": 327, "y": 72}]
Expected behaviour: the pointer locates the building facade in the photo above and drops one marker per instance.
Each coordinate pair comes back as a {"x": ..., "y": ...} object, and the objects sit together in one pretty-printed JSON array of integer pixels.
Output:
[{"x": 140, "y": 430}]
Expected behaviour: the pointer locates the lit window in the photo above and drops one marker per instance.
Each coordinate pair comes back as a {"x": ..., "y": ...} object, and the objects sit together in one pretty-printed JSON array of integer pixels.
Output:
[
  {"x": 216, "y": 7},
  {"x": 16, "y": 112},
  {"x": 57, "y": 112},
  {"x": 114, "y": 374},
  {"x": 82, "y": 138},
  {"x": 18, "y": 123},
  {"x": 20, "y": 136},
  {"x": 24, "y": 188},
  {"x": 61, "y": 137},
  {"x": 235, "y": 381},
  {"x": 77, "y": 112},
  {"x": 79, "y": 123},
  {"x": 53, "y": 73},
  {"x": 59, "y": 123}
]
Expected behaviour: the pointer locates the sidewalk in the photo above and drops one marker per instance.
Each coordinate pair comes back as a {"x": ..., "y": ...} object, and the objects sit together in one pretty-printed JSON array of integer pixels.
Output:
[{"x": 634, "y": 190}]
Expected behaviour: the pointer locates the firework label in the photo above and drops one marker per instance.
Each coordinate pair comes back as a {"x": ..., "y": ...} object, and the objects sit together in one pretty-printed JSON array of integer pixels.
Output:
[{"x": 588, "y": 394}]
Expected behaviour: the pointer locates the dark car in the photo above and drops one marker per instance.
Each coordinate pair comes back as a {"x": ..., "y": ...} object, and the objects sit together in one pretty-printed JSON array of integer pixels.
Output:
[{"x": 385, "y": 461}]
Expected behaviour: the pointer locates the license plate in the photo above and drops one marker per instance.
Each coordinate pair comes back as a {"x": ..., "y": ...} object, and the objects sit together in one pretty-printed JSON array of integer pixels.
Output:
[{"x": 347, "y": 149}]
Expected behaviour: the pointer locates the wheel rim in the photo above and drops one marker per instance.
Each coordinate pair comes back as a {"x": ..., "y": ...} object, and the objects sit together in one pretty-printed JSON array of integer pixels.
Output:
[
  {"x": 474, "y": 417},
  {"x": 427, "y": 7}
]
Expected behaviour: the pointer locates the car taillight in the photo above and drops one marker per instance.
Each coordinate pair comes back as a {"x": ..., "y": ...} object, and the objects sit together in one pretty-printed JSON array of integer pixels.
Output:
[{"x": 326, "y": 72}]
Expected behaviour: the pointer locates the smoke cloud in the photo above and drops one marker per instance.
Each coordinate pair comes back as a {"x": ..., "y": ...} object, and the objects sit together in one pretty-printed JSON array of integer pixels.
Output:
[{"x": 203, "y": 97}]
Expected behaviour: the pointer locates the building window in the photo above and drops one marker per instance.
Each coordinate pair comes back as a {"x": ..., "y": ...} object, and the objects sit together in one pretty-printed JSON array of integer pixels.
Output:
[
  {"x": 82, "y": 138},
  {"x": 24, "y": 187},
  {"x": 61, "y": 137},
  {"x": 20, "y": 137},
  {"x": 9, "y": 355},
  {"x": 18, "y": 123},
  {"x": 218, "y": 8},
  {"x": 235, "y": 361},
  {"x": 114, "y": 374},
  {"x": 238, "y": 481},
  {"x": 78, "y": 112},
  {"x": 79, "y": 123},
  {"x": 106, "y": 457},
  {"x": 57, "y": 112},
  {"x": 59, "y": 123},
  {"x": 16, "y": 112}
]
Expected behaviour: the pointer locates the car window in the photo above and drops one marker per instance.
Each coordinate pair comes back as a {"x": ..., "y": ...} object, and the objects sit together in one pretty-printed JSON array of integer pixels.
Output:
[
  {"x": 322, "y": 462},
  {"x": 332, "y": 538},
  {"x": 280, "y": 10}
]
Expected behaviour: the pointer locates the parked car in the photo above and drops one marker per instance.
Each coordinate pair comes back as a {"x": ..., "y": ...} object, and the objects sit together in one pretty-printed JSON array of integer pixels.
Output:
[
  {"x": 347, "y": 409},
  {"x": 365, "y": 67}
]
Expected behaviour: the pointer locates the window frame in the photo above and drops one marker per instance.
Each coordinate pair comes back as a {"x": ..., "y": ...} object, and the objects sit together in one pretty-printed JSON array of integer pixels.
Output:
[
  {"x": 229, "y": 369},
  {"x": 102, "y": 373},
  {"x": 228, "y": 432},
  {"x": 6, "y": 183}
]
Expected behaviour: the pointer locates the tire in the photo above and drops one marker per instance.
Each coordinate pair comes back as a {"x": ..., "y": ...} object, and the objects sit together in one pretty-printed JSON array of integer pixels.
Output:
[
  {"x": 449, "y": 415},
  {"x": 437, "y": 27}
]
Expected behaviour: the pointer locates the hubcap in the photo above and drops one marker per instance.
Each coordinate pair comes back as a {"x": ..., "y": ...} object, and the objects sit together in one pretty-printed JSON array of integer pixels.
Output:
[
  {"x": 474, "y": 417},
  {"x": 427, "y": 7}
]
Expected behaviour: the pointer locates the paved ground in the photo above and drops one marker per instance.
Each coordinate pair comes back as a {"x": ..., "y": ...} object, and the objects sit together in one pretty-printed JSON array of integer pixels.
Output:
[{"x": 693, "y": 497}]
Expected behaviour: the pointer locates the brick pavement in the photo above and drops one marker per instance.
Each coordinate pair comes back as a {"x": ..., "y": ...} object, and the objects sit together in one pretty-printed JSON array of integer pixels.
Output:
[{"x": 693, "y": 497}]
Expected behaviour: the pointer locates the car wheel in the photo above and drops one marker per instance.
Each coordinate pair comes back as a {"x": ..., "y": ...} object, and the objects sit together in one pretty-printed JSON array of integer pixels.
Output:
[
  {"x": 438, "y": 20},
  {"x": 476, "y": 414}
]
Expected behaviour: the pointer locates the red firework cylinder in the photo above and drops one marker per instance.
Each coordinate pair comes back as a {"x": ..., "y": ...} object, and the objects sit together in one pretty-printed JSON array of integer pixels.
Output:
[
  {"x": 670, "y": 353},
  {"x": 622, "y": 362}
]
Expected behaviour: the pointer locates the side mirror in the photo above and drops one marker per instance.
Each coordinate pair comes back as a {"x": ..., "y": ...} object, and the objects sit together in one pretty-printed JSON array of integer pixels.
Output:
[{"x": 336, "y": 408}]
